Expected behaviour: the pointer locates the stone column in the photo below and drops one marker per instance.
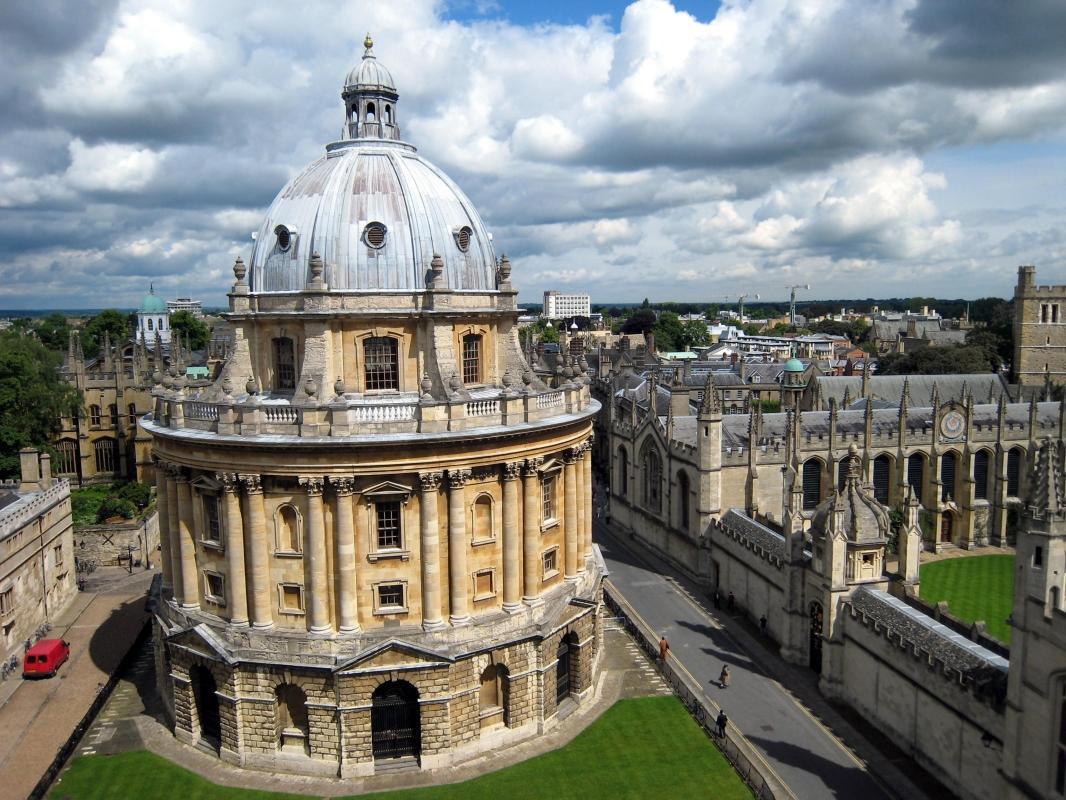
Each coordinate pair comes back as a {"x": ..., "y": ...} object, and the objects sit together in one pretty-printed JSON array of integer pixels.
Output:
[
  {"x": 590, "y": 501},
  {"x": 458, "y": 580},
  {"x": 315, "y": 550},
  {"x": 347, "y": 592},
  {"x": 258, "y": 553},
  {"x": 531, "y": 512},
  {"x": 236, "y": 581},
  {"x": 430, "y": 541},
  {"x": 163, "y": 514},
  {"x": 512, "y": 592},
  {"x": 570, "y": 514},
  {"x": 172, "y": 529},
  {"x": 583, "y": 509},
  {"x": 190, "y": 591}
]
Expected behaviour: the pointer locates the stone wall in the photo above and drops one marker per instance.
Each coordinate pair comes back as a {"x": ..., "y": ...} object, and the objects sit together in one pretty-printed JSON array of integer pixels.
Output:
[{"x": 104, "y": 544}]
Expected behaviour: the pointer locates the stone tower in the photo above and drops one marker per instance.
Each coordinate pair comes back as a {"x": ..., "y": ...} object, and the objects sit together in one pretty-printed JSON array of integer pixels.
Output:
[{"x": 1039, "y": 331}]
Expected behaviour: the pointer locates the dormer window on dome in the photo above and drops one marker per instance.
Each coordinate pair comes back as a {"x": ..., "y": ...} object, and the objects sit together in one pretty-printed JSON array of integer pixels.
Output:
[
  {"x": 286, "y": 234},
  {"x": 462, "y": 237},
  {"x": 374, "y": 235}
]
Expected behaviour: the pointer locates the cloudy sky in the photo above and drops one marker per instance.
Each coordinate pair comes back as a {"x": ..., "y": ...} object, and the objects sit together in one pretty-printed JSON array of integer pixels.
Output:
[{"x": 686, "y": 151}]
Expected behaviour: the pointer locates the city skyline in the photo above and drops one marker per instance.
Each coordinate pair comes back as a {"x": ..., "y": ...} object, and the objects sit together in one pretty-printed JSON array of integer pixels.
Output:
[{"x": 644, "y": 152}]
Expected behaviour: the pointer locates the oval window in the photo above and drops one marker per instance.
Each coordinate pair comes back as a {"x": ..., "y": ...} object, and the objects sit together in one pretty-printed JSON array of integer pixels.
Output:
[
  {"x": 462, "y": 238},
  {"x": 284, "y": 237},
  {"x": 374, "y": 235}
]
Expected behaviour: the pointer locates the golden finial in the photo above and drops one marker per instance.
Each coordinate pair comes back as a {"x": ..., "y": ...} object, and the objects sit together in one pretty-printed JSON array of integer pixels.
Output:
[{"x": 368, "y": 43}]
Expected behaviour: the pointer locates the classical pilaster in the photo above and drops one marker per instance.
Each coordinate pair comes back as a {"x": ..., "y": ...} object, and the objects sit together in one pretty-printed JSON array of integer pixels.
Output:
[
  {"x": 512, "y": 592},
  {"x": 190, "y": 591},
  {"x": 236, "y": 581},
  {"x": 347, "y": 593},
  {"x": 458, "y": 580},
  {"x": 430, "y": 540},
  {"x": 590, "y": 501},
  {"x": 163, "y": 515},
  {"x": 315, "y": 549},
  {"x": 531, "y": 512},
  {"x": 570, "y": 514},
  {"x": 258, "y": 553},
  {"x": 172, "y": 529}
]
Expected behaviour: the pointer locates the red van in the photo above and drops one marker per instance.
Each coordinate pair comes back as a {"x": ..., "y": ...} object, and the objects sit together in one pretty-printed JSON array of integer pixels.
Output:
[{"x": 45, "y": 658}]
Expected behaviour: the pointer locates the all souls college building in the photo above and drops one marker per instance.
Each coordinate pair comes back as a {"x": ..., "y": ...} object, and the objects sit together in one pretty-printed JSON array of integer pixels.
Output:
[{"x": 377, "y": 536}]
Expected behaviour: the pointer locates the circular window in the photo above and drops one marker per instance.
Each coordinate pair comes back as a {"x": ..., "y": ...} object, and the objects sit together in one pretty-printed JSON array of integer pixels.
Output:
[
  {"x": 284, "y": 237},
  {"x": 374, "y": 235},
  {"x": 462, "y": 238}
]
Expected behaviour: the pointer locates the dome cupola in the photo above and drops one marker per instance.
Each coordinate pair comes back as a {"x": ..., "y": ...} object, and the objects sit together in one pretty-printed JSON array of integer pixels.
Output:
[
  {"x": 852, "y": 513},
  {"x": 370, "y": 99}
]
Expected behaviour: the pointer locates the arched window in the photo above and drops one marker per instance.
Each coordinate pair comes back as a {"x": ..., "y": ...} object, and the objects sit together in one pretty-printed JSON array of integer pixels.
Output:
[
  {"x": 472, "y": 359},
  {"x": 94, "y": 415},
  {"x": 388, "y": 113},
  {"x": 293, "y": 730},
  {"x": 380, "y": 364},
  {"x": 284, "y": 364},
  {"x": 492, "y": 697},
  {"x": 287, "y": 521},
  {"x": 395, "y": 721},
  {"x": 1014, "y": 472},
  {"x": 916, "y": 474},
  {"x": 948, "y": 468},
  {"x": 980, "y": 475},
  {"x": 66, "y": 457},
  {"x": 812, "y": 483},
  {"x": 104, "y": 449},
  {"x": 623, "y": 473},
  {"x": 842, "y": 473},
  {"x": 483, "y": 530},
  {"x": 150, "y": 324},
  {"x": 683, "y": 501},
  {"x": 112, "y": 411},
  {"x": 882, "y": 478},
  {"x": 653, "y": 479}
]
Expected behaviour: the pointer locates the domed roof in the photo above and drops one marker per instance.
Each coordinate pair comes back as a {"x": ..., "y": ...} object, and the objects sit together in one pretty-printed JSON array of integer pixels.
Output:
[
  {"x": 370, "y": 73},
  {"x": 152, "y": 303},
  {"x": 862, "y": 519},
  {"x": 794, "y": 365}
]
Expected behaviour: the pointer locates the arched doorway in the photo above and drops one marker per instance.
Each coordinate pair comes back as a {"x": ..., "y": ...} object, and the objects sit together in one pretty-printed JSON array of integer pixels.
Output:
[
  {"x": 394, "y": 720},
  {"x": 293, "y": 730},
  {"x": 204, "y": 690},
  {"x": 815, "y": 647},
  {"x": 564, "y": 667},
  {"x": 947, "y": 520}
]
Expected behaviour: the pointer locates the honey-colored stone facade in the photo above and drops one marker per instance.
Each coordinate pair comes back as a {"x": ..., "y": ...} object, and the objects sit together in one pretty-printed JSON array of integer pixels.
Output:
[{"x": 1039, "y": 331}]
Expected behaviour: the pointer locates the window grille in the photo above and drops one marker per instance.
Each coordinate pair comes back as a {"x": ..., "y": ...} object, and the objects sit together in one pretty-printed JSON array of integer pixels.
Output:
[
  {"x": 472, "y": 359},
  {"x": 1014, "y": 472},
  {"x": 980, "y": 475},
  {"x": 916, "y": 475},
  {"x": 882, "y": 479},
  {"x": 947, "y": 476},
  {"x": 390, "y": 595},
  {"x": 548, "y": 497},
  {"x": 379, "y": 355},
  {"x": 812, "y": 483},
  {"x": 284, "y": 364},
  {"x": 388, "y": 515},
  {"x": 212, "y": 526}
]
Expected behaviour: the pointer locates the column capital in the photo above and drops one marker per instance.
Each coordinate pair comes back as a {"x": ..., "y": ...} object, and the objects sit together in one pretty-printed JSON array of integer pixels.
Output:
[
  {"x": 571, "y": 455},
  {"x": 313, "y": 484},
  {"x": 253, "y": 484},
  {"x": 532, "y": 466},
  {"x": 176, "y": 474},
  {"x": 512, "y": 470},
  {"x": 430, "y": 481},
  {"x": 342, "y": 485},
  {"x": 230, "y": 482},
  {"x": 457, "y": 478}
]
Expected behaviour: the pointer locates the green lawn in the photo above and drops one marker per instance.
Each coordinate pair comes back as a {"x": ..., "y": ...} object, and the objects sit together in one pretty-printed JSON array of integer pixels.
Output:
[
  {"x": 640, "y": 748},
  {"x": 976, "y": 587}
]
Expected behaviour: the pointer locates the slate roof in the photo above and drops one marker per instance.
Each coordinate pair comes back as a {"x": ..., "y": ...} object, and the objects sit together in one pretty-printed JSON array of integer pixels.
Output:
[
  {"x": 758, "y": 534},
  {"x": 984, "y": 386}
]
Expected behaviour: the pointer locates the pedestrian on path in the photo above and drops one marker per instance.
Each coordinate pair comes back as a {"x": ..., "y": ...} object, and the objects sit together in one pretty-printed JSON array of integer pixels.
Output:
[
  {"x": 717, "y": 600},
  {"x": 721, "y": 722},
  {"x": 664, "y": 648},
  {"x": 731, "y": 601},
  {"x": 762, "y": 624},
  {"x": 723, "y": 679}
]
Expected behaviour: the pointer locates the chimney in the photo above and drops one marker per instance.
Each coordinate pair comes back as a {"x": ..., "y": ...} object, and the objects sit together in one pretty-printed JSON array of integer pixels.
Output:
[
  {"x": 31, "y": 476},
  {"x": 46, "y": 471},
  {"x": 679, "y": 402},
  {"x": 732, "y": 359}
]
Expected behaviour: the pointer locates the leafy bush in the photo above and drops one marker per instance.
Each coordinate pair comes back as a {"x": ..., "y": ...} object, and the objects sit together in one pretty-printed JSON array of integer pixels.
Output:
[
  {"x": 140, "y": 494},
  {"x": 115, "y": 507},
  {"x": 85, "y": 503}
]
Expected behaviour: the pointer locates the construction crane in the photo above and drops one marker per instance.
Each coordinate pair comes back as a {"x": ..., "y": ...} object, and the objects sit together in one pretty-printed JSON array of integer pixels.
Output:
[
  {"x": 740, "y": 298},
  {"x": 792, "y": 300}
]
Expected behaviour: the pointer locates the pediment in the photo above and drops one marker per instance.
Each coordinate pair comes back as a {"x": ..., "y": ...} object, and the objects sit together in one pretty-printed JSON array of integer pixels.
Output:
[
  {"x": 388, "y": 489},
  {"x": 205, "y": 484},
  {"x": 392, "y": 654},
  {"x": 201, "y": 640}
]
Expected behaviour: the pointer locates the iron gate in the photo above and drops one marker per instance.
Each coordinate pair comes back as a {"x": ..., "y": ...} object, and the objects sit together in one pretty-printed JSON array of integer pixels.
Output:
[
  {"x": 395, "y": 722},
  {"x": 562, "y": 672},
  {"x": 204, "y": 689}
]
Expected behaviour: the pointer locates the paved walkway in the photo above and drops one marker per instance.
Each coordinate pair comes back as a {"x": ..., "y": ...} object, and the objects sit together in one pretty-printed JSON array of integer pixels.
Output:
[
  {"x": 38, "y": 716},
  {"x": 799, "y": 745}
]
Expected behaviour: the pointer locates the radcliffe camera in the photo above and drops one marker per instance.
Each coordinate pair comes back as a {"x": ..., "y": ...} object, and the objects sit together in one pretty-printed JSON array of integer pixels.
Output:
[{"x": 650, "y": 399}]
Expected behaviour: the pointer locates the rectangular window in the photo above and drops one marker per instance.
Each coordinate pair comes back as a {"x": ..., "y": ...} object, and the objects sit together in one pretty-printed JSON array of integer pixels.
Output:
[
  {"x": 1043, "y": 312},
  {"x": 388, "y": 519},
  {"x": 215, "y": 588},
  {"x": 7, "y": 601},
  {"x": 212, "y": 525},
  {"x": 1055, "y": 312},
  {"x": 381, "y": 368},
  {"x": 113, "y": 412},
  {"x": 292, "y": 598},
  {"x": 1038, "y": 556},
  {"x": 484, "y": 584},
  {"x": 131, "y": 411},
  {"x": 548, "y": 494},
  {"x": 94, "y": 416},
  {"x": 550, "y": 565},
  {"x": 390, "y": 596},
  {"x": 284, "y": 364},
  {"x": 471, "y": 359},
  {"x": 58, "y": 551}
]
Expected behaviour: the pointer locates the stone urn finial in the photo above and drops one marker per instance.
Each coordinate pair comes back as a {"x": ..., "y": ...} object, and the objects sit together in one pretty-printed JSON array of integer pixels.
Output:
[
  {"x": 436, "y": 272},
  {"x": 505, "y": 269},
  {"x": 338, "y": 387},
  {"x": 227, "y": 386},
  {"x": 507, "y": 381},
  {"x": 317, "y": 268},
  {"x": 527, "y": 377},
  {"x": 251, "y": 387},
  {"x": 239, "y": 270},
  {"x": 310, "y": 387},
  {"x": 426, "y": 385},
  {"x": 454, "y": 383}
]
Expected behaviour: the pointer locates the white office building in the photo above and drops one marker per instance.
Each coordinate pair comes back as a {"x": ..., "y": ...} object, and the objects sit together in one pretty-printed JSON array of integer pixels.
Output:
[{"x": 563, "y": 306}]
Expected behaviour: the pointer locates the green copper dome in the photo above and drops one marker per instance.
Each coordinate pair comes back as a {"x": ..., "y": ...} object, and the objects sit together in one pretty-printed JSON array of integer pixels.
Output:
[{"x": 794, "y": 365}]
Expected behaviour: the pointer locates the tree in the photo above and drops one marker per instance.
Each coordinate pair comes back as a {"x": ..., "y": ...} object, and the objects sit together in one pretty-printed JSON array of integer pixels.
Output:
[
  {"x": 54, "y": 332},
  {"x": 669, "y": 332},
  {"x": 33, "y": 397},
  {"x": 184, "y": 323},
  {"x": 694, "y": 334},
  {"x": 951, "y": 360},
  {"x": 114, "y": 323},
  {"x": 640, "y": 321}
]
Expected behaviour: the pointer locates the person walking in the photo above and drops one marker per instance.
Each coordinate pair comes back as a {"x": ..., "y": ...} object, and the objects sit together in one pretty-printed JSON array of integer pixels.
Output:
[
  {"x": 721, "y": 722},
  {"x": 731, "y": 601},
  {"x": 723, "y": 679},
  {"x": 717, "y": 600},
  {"x": 664, "y": 648},
  {"x": 762, "y": 624}
]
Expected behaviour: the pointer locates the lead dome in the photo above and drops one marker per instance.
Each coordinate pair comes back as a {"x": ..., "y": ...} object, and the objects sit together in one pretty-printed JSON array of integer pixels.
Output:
[{"x": 373, "y": 208}]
